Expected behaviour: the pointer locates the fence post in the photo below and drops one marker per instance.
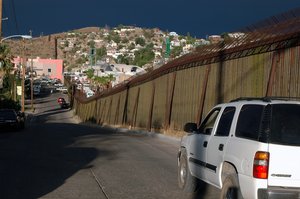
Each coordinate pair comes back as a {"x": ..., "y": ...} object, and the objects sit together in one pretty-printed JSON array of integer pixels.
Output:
[
  {"x": 203, "y": 95},
  {"x": 149, "y": 126},
  {"x": 170, "y": 103},
  {"x": 135, "y": 108},
  {"x": 117, "y": 111},
  {"x": 124, "y": 120},
  {"x": 102, "y": 113},
  {"x": 108, "y": 116},
  {"x": 272, "y": 74},
  {"x": 98, "y": 112}
]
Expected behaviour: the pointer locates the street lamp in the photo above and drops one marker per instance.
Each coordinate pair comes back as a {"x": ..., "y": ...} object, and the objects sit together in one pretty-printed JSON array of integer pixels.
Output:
[
  {"x": 13, "y": 36},
  {"x": 23, "y": 68}
]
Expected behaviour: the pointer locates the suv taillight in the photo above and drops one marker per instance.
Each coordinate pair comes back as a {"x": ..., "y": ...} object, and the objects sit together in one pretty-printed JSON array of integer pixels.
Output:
[{"x": 261, "y": 165}]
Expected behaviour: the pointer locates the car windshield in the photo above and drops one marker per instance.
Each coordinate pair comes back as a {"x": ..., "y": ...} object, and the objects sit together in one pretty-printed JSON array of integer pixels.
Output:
[{"x": 285, "y": 124}]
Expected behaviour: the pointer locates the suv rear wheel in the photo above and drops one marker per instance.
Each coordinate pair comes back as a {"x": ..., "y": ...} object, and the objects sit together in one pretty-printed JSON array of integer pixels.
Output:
[{"x": 231, "y": 188}]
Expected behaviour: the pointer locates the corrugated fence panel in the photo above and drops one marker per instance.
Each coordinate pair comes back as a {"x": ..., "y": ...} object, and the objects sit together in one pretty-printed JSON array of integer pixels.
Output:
[
  {"x": 131, "y": 105},
  {"x": 297, "y": 73},
  {"x": 144, "y": 102},
  {"x": 160, "y": 101},
  {"x": 187, "y": 93},
  {"x": 120, "y": 110},
  {"x": 116, "y": 108},
  {"x": 212, "y": 94}
]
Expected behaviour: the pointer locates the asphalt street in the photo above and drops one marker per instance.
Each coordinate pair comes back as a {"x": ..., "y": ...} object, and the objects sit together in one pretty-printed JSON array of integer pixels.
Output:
[{"x": 58, "y": 157}]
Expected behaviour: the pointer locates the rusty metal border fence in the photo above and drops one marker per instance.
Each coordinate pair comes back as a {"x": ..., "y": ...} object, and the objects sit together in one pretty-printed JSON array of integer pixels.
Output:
[{"x": 263, "y": 61}]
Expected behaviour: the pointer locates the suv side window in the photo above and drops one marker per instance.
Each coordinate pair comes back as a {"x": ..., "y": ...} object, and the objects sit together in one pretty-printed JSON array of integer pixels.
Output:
[
  {"x": 225, "y": 122},
  {"x": 248, "y": 124},
  {"x": 208, "y": 123}
]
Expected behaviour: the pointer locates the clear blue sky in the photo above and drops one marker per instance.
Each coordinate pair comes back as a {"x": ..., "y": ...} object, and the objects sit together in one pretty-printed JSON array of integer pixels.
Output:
[{"x": 197, "y": 17}]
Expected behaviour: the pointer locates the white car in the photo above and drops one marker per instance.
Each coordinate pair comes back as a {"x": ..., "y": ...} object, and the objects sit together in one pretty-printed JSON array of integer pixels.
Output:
[
  {"x": 62, "y": 89},
  {"x": 248, "y": 148}
]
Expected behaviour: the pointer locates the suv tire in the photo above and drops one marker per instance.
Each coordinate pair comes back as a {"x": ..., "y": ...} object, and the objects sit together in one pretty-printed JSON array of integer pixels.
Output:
[
  {"x": 231, "y": 188},
  {"x": 186, "y": 181}
]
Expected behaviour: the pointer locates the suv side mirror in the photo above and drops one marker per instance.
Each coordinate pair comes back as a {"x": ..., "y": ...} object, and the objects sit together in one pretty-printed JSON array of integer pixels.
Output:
[{"x": 190, "y": 127}]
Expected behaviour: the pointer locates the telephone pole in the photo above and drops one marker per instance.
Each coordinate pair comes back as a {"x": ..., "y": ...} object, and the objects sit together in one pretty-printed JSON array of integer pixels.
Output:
[{"x": 1, "y": 2}]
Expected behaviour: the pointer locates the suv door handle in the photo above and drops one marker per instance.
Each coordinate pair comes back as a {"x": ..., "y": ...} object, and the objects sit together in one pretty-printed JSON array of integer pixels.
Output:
[
  {"x": 221, "y": 147},
  {"x": 205, "y": 144}
]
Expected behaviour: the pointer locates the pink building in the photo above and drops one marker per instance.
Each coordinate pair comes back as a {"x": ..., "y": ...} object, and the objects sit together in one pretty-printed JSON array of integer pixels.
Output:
[{"x": 52, "y": 68}]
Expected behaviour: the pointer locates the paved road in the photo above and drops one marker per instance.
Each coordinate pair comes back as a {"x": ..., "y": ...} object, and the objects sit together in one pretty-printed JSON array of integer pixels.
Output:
[{"x": 57, "y": 157}]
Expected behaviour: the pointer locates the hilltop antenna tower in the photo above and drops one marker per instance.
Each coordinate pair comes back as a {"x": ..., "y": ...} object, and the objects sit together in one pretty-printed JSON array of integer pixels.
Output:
[{"x": 168, "y": 48}]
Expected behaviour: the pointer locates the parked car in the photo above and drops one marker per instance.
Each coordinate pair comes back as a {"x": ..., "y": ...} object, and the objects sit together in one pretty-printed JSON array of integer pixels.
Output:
[
  {"x": 62, "y": 89},
  {"x": 61, "y": 100},
  {"x": 64, "y": 105},
  {"x": 248, "y": 148},
  {"x": 11, "y": 120}
]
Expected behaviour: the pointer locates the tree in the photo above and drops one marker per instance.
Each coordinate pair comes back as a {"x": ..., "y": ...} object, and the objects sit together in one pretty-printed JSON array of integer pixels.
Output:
[
  {"x": 90, "y": 73},
  {"x": 144, "y": 55},
  {"x": 104, "y": 80},
  {"x": 5, "y": 60},
  {"x": 190, "y": 39},
  {"x": 100, "y": 52},
  {"x": 116, "y": 38},
  {"x": 140, "y": 41},
  {"x": 113, "y": 37},
  {"x": 131, "y": 46},
  {"x": 176, "y": 51},
  {"x": 6, "y": 67},
  {"x": 125, "y": 40},
  {"x": 100, "y": 81},
  {"x": 149, "y": 34},
  {"x": 109, "y": 79},
  {"x": 123, "y": 59}
]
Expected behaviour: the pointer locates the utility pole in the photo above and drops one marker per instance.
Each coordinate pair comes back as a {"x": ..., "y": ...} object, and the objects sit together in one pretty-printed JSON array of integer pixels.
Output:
[
  {"x": 31, "y": 84},
  {"x": 23, "y": 77},
  {"x": 1, "y": 3}
]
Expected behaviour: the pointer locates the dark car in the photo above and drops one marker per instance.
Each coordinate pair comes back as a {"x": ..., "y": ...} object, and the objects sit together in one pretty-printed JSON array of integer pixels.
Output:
[
  {"x": 11, "y": 120},
  {"x": 62, "y": 102},
  {"x": 64, "y": 105}
]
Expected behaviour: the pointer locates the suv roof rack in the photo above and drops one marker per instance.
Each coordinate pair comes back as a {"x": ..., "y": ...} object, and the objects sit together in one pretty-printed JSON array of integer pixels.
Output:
[{"x": 265, "y": 99}]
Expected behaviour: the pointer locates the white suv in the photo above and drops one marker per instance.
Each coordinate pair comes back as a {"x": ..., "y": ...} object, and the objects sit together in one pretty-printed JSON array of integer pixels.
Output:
[{"x": 249, "y": 148}]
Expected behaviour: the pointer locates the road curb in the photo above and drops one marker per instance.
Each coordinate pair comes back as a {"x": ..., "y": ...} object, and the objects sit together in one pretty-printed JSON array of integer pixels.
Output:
[{"x": 174, "y": 140}]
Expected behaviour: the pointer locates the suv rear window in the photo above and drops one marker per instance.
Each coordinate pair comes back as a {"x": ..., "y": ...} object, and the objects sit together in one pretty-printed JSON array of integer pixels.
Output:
[{"x": 285, "y": 124}]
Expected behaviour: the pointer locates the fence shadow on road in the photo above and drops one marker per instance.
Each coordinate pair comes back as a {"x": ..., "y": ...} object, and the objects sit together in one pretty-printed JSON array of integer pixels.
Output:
[{"x": 38, "y": 161}]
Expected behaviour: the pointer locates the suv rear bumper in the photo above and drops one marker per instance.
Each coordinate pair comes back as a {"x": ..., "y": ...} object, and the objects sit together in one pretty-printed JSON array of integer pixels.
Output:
[{"x": 279, "y": 193}]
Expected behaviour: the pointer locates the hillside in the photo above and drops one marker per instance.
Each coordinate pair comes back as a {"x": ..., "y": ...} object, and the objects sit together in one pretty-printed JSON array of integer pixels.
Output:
[{"x": 127, "y": 45}]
